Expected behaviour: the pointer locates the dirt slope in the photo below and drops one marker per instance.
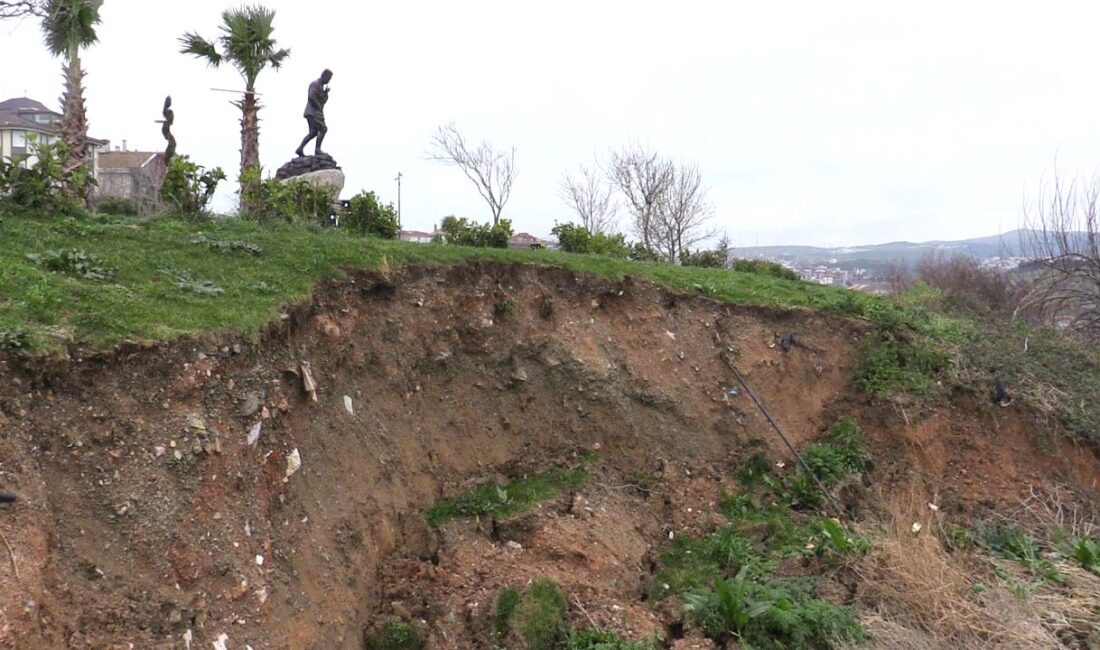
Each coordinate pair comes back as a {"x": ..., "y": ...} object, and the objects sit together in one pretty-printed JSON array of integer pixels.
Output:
[{"x": 145, "y": 517}]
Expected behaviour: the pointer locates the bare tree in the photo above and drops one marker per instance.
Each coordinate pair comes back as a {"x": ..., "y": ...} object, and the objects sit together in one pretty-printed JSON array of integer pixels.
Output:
[
  {"x": 590, "y": 198},
  {"x": 491, "y": 171},
  {"x": 642, "y": 176},
  {"x": 22, "y": 8},
  {"x": 1062, "y": 239},
  {"x": 681, "y": 214}
]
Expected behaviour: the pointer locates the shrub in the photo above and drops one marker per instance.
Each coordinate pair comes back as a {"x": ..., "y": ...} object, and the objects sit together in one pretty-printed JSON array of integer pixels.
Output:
[
  {"x": 889, "y": 364},
  {"x": 1010, "y": 543},
  {"x": 38, "y": 182},
  {"x": 639, "y": 252},
  {"x": 712, "y": 259},
  {"x": 764, "y": 267},
  {"x": 188, "y": 187},
  {"x": 962, "y": 280},
  {"x": 502, "y": 501},
  {"x": 463, "y": 232},
  {"x": 573, "y": 238},
  {"x": 367, "y": 216},
  {"x": 396, "y": 636},
  {"x": 116, "y": 206},
  {"x": 14, "y": 340},
  {"x": 290, "y": 200},
  {"x": 507, "y": 601}
]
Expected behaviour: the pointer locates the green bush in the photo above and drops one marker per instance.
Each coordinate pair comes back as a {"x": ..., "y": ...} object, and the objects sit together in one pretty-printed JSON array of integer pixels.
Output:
[
  {"x": 290, "y": 200},
  {"x": 463, "y": 232},
  {"x": 712, "y": 259},
  {"x": 764, "y": 267},
  {"x": 116, "y": 206},
  {"x": 889, "y": 364},
  {"x": 573, "y": 238},
  {"x": 367, "y": 216},
  {"x": 37, "y": 182},
  {"x": 188, "y": 187},
  {"x": 1009, "y": 542},
  {"x": 507, "y": 601},
  {"x": 639, "y": 252},
  {"x": 396, "y": 636}
]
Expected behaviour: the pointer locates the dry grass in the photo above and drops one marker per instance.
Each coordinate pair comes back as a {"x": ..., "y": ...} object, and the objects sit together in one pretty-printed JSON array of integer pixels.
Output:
[{"x": 920, "y": 596}]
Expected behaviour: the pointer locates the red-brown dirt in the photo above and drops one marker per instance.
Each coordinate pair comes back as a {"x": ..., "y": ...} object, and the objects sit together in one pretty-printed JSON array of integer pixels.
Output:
[{"x": 144, "y": 515}]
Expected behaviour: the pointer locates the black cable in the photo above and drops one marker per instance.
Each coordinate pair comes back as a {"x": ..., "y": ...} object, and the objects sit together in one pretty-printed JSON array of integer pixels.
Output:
[{"x": 786, "y": 441}]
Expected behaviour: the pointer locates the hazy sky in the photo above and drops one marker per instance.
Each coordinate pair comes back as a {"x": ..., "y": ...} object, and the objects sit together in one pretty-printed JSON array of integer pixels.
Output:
[{"x": 812, "y": 122}]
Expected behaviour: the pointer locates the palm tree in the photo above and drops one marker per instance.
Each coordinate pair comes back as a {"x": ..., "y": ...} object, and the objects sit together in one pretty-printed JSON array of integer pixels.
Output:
[
  {"x": 247, "y": 45},
  {"x": 69, "y": 26}
]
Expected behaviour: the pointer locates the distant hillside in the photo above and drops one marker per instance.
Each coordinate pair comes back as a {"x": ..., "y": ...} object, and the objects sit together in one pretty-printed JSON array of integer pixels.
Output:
[{"x": 1010, "y": 244}]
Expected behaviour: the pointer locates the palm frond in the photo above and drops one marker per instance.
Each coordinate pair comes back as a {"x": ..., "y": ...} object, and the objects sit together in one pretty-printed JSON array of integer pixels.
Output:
[
  {"x": 197, "y": 46},
  {"x": 70, "y": 25}
]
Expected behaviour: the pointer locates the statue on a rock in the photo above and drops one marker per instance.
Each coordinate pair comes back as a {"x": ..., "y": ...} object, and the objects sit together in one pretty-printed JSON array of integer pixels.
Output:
[{"x": 315, "y": 113}]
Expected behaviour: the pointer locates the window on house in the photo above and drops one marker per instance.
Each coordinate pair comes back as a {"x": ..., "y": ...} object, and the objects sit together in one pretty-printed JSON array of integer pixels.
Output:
[
  {"x": 19, "y": 138},
  {"x": 43, "y": 118}
]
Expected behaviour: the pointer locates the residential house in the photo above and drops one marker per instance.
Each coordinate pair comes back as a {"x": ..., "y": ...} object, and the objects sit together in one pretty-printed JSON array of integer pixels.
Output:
[
  {"x": 527, "y": 240},
  {"x": 133, "y": 175},
  {"x": 416, "y": 236},
  {"x": 23, "y": 119}
]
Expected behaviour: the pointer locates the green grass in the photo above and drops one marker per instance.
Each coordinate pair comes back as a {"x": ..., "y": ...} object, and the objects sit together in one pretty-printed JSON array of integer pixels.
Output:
[
  {"x": 490, "y": 499},
  {"x": 537, "y": 614},
  {"x": 396, "y": 636},
  {"x": 260, "y": 268},
  {"x": 728, "y": 580},
  {"x": 593, "y": 639}
]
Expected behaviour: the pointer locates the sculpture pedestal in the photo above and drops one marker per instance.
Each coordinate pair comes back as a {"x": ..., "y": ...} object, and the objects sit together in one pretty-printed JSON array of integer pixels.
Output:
[
  {"x": 318, "y": 171},
  {"x": 328, "y": 178}
]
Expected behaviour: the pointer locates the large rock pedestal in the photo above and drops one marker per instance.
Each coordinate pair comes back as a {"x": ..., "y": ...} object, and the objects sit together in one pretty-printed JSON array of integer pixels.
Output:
[{"x": 318, "y": 171}]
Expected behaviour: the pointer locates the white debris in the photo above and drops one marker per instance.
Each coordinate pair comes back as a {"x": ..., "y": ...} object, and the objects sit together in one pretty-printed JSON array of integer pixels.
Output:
[
  {"x": 254, "y": 434},
  {"x": 348, "y": 405},
  {"x": 188, "y": 637},
  {"x": 220, "y": 644},
  {"x": 933, "y": 507},
  {"x": 670, "y": 335},
  {"x": 293, "y": 464},
  {"x": 259, "y": 560},
  {"x": 917, "y": 528}
]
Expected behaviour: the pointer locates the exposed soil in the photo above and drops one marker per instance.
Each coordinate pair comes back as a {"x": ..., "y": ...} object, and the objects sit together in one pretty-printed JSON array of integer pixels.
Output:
[{"x": 144, "y": 515}]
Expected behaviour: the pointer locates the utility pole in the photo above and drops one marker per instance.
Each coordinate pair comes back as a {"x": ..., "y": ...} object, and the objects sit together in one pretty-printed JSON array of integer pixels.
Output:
[{"x": 398, "y": 179}]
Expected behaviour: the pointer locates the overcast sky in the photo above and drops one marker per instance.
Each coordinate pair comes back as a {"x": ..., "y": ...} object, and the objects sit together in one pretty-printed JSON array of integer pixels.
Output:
[{"x": 813, "y": 123}]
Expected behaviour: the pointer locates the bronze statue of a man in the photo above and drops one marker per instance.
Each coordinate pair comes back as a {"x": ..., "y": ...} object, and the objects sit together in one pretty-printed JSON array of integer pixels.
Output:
[{"x": 315, "y": 113}]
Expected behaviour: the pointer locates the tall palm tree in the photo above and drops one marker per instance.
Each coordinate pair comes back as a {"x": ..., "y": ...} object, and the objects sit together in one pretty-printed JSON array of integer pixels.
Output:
[
  {"x": 247, "y": 45},
  {"x": 69, "y": 26}
]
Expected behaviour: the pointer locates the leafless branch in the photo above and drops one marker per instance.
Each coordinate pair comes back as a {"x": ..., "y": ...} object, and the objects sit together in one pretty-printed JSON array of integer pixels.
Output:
[
  {"x": 642, "y": 176},
  {"x": 491, "y": 171},
  {"x": 1062, "y": 239},
  {"x": 588, "y": 195},
  {"x": 682, "y": 213},
  {"x": 22, "y": 8}
]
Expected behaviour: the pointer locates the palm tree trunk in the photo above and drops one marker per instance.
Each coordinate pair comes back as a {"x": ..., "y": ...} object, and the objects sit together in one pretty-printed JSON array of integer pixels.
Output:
[
  {"x": 74, "y": 130},
  {"x": 250, "y": 142}
]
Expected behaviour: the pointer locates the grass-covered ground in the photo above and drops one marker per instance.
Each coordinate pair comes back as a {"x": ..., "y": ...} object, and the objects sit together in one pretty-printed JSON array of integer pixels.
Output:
[
  {"x": 149, "y": 281},
  {"x": 99, "y": 281}
]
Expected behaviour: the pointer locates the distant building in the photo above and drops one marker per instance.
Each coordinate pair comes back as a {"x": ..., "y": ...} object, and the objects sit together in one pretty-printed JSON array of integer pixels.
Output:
[
  {"x": 527, "y": 240},
  {"x": 416, "y": 236},
  {"x": 23, "y": 119},
  {"x": 134, "y": 175}
]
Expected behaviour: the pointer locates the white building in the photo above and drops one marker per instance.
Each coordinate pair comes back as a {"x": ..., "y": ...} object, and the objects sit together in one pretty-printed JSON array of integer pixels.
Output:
[{"x": 23, "y": 119}]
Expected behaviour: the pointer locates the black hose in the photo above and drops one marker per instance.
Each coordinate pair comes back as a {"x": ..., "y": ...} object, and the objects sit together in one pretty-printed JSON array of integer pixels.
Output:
[{"x": 7, "y": 497}]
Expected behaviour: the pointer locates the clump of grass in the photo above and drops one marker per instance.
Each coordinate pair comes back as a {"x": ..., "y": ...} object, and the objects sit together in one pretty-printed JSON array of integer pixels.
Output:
[
  {"x": 781, "y": 613},
  {"x": 75, "y": 262},
  {"x": 14, "y": 340},
  {"x": 1009, "y": 542},
  {"x": 505, "y": 306},
  {"x": 537, "y": 614},
  {"x": 490, "y": 499},
  {"x": 396, "y": 636},
  {"x": 1086, "y": 551},
  {"x": 186, "y": 281},
  {"x": 227, "y": 245},
  {"x": 889, "y": 364}
]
